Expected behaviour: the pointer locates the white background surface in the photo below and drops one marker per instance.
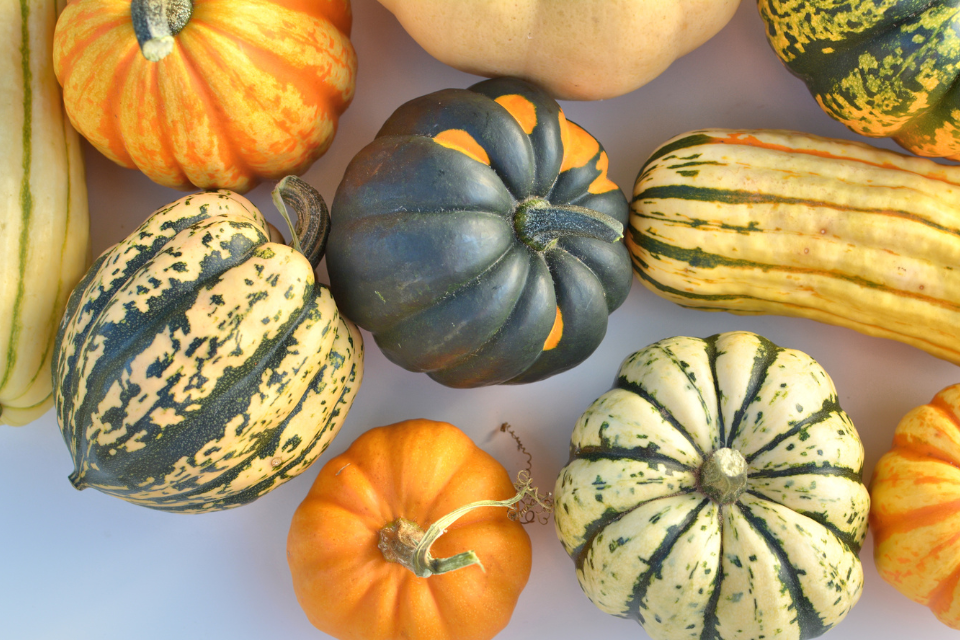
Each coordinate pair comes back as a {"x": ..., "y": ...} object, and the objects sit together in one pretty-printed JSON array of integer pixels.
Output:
[{"x": 84, "y": 565}]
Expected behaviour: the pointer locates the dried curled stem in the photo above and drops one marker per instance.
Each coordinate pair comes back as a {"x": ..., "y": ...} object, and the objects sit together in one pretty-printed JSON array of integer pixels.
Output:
[{"x": 533, "y": 506}]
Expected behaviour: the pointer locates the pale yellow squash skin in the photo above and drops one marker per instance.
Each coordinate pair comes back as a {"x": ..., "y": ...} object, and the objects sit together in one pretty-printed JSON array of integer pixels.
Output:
[
  {"x": 44, "y": 224},
  {"x": 575, "y": 49}
]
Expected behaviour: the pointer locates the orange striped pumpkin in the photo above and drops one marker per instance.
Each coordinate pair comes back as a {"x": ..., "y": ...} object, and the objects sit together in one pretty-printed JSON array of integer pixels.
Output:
[
  {"x": 915, "y": 511},
  {"x": 207, "y": 93}
]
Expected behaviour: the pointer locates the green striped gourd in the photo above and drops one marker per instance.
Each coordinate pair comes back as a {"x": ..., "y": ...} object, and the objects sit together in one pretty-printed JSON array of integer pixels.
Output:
[
  {"x": 881, "y": 67},
  {"x": 716, "y": 492},
  {"x": 44, "y": 224},
  {"x": 199, "y": 364},
  {"x": 756, "y": 222}
]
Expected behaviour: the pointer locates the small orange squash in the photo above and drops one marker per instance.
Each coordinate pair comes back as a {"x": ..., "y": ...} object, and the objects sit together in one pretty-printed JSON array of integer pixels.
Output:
[
  {"x": 207, "y": 93},
  {"x": 418, "y": 471},
  {"x": 915, "y": 511}
]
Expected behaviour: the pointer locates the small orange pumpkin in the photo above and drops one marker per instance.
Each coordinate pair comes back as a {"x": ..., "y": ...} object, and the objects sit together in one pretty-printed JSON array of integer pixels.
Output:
[
  {"x": 418, "y": 471},
  {"x": 207, "y": 93},
  {"x": 915, "y": 511}
]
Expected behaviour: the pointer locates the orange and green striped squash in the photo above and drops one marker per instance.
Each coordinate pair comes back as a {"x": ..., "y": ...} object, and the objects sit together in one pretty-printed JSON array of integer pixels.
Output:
[
  {"x": 785, "y": 223},
  {"x": 915, "y": 510},
  {"x": 206, "y": 93},
  {"x": 884, "y": 68},
  {"x": 478, "y": 237},
  {"x": 44, "y": 223}
]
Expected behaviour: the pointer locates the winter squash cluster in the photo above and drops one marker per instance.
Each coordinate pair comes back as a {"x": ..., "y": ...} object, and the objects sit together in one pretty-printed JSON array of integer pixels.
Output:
[{"x": 716, "y": 491}]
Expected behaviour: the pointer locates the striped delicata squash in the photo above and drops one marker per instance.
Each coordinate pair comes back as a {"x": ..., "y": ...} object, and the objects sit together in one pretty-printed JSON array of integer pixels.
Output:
[
  {"x": 716, "y": 492},
  {"x": 199, "y": 365},
  {"x": 785, "y": 223},
  {"x": 44, "y": 225}
]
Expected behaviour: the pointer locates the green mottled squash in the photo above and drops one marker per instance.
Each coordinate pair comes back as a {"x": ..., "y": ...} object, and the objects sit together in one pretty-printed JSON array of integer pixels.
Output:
[
  {"x": 199, "y": 365},
  {"x": 884, "y": 68},
  {"x": 716, "y": 492},
  {"x": 478, "y": 237}
]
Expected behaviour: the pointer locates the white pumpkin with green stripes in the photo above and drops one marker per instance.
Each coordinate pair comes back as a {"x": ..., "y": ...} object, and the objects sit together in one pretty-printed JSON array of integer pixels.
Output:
[
  {"x": 716, "y": 492},
  {"x": 44, "y": 224},
  {"x": 200, "y": 365}
]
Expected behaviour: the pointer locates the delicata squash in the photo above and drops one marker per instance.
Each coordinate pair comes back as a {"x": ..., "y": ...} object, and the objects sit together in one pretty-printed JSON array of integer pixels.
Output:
[{"x": 778, "y": 222}]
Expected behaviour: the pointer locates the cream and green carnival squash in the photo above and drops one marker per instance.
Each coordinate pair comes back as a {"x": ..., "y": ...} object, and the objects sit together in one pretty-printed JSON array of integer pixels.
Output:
[
  {"x": 199, "y": 364},
  {"x": 716, "y": 492}
]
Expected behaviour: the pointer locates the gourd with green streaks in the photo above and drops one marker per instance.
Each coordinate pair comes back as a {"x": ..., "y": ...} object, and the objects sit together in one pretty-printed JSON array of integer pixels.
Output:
[
  {"x": 777, "y": 222},
  {"x": 200, "y": 365},
  {"x": 884, "y": 68},
  {"x": 44, "y": 224},
  {"x": 716, "y": 492}
]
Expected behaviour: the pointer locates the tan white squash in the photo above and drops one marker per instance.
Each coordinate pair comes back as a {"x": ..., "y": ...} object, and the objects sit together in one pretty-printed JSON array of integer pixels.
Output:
[{"x": 44, "y": 224}]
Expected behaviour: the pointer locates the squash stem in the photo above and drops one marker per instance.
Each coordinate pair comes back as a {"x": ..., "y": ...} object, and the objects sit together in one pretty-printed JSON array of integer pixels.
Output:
[
  {"x": 723, "y": 477},
  {"x": 156, "y": 22},
  {"x": 404, "y": 542},
  {"x": 313, "y": 219},
  {"x": 540, "y": 224}
]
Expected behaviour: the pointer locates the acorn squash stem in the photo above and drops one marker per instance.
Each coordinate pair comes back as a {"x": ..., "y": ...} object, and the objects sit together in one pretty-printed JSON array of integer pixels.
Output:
[
  {"x": 540, "y": 224},
  {"x": 156, "y": 22},
  {"x": 313, "y": 219}
]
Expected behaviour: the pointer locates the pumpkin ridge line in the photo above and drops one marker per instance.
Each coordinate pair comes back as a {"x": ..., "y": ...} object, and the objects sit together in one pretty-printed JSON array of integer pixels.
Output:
[
  {"x": 204, "y": 92},
  {"x": 828, "y": 408},
  {"x": 693, "y": 383},
  {"x": 848, "y": 539},
  {"x": 763, "y": 359},
  {"x": 639, "y": 454},
  {"x": 710, "y": 348},
  {"x": 608, "y": 517},
  {"x": 811, "y": 468},
  {"x": 809, "y": 623},
  {"x": 633, "y": 387},
  {"x": 655, "y": 564}
]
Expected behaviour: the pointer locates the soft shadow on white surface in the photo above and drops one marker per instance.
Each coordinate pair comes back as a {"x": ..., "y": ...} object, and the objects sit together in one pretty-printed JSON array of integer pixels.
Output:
[{"x": 90, "y": 567}]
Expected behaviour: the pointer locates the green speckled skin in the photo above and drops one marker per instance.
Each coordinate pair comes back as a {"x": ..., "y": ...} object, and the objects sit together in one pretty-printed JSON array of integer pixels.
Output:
[
  {"x": 423, "y": 250},
  {"x": 884, "y": 68},
  {"x": 198, "y": 365},
  {"x": 779, "y": 562}
]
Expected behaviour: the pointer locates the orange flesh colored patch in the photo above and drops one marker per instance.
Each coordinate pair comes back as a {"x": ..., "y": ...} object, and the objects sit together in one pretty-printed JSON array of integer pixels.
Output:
[
  {"x": 460, "y": 140},
  {"x": 579, "y": 148},
  {"x": 752, "y": 141},
  {"x": 555, "y": 333},
  {"x": 521, "y": 109}
]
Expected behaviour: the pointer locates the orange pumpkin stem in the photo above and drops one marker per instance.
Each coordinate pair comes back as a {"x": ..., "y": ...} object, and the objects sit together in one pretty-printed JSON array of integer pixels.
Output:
[
  {"x": 155, "y": 22},
  {"x": 406, "y": 543}
]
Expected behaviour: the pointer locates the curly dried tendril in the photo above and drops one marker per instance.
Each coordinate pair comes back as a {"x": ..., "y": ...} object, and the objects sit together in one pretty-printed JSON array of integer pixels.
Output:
[{"x": 533, "y": 506}]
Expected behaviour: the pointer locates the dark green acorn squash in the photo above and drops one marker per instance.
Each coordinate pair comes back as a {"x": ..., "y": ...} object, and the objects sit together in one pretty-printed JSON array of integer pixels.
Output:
[
  {"x": 884, "y": 68},
  {"x": 478, "y": 237},
  {"x": 198, "y": 364}
]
